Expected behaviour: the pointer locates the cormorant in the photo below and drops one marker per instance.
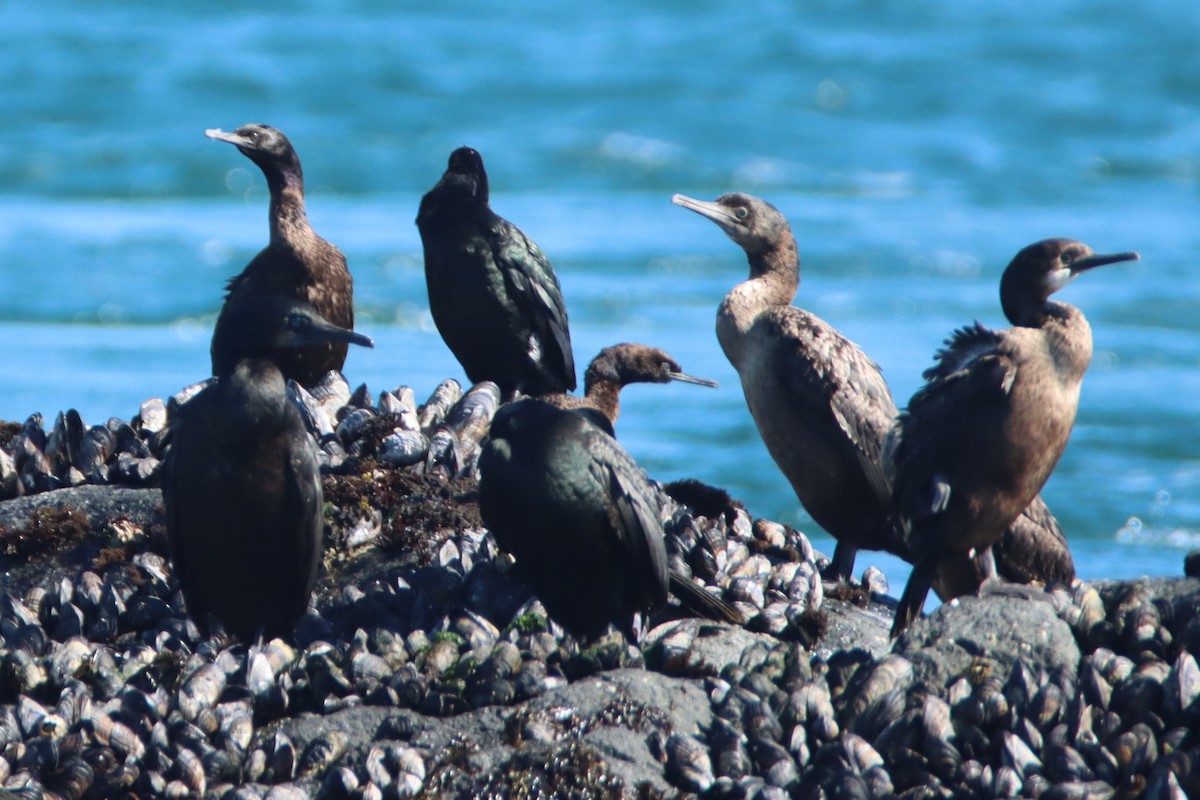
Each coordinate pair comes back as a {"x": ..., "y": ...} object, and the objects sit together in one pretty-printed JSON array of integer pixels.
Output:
[
  {"x": 821, "y": 405},
  {"x": 492, "y": 293},
  {"x": 612, "y": 369},
  {"x": 615, "y": 367},
  {"x": 577, "y": 514},
  {"x": 981, "y": 437},
  {"x": 241, "y": 486},
  {"x": 296, "y": 262}
]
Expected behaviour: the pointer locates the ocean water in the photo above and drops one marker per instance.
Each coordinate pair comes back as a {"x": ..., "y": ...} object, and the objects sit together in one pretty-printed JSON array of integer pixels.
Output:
[{"x": 915, "y": 147}]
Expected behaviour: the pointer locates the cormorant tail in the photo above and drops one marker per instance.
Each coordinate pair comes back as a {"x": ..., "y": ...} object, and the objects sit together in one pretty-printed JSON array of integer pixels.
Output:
[{"x": 702, "y": 603}]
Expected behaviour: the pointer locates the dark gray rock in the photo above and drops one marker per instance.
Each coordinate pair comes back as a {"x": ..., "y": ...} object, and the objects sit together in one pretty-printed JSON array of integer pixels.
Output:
[
  {"x": 604, "y": 731},
  {"x": 851, "y": 626},
  {"x": 993, "y": 631},
  {"x": 695, "y": 648}
]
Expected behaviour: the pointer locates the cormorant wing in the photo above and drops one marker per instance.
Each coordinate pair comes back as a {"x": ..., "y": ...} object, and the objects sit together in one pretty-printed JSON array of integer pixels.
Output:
[
  {"x": 1034, "y": 547},
  {"x": 834, "y": 380},
  {"x": 975, "y": 369},
  {"x": 305, "y": 513},
  {"x": 632, "y": 514},
  {"x": 534, "y": 288}
]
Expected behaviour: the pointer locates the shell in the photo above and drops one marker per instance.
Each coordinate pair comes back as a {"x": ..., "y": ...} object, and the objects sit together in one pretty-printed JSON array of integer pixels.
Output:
[
  {"x": 201, "y": 690},
  {"x": 430, "y": 415},
  {"x": 323, "y": 751},
  {"x": 688, "y": 764}
]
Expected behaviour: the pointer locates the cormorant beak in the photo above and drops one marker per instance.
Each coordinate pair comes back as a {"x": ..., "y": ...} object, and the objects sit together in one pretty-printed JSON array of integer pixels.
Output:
[
  {"x": 1100, "y": 259},
  {"x": 314, "y": 329},
  {"x": 685, "y": 378},
  {"x": 225, "y": 136},
  {"x": 713, "y": 211}
]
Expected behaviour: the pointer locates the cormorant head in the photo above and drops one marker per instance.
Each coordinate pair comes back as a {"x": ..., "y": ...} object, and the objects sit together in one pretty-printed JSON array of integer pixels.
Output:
[
  {"x": 263, "y": 326},
  {"x": 1041, "y": 269},
  {"x": 753, "y": 223},
  {"x": 466, "y": 170},
  {"x": 637, "y": 363},
  {"x": 262, "y": 144}
]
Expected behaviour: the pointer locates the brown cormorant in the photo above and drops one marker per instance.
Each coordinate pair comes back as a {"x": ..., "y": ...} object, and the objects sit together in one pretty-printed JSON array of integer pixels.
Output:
[
  {"x": 296, "y": 261},
  {"x": 492, "y": 293},
  {"x": 241, "y": 486},
  {"x": 821, "y": 405},
  {"x": 577, "y": 514},
  {"x": 981, "y": 437},
  {"x": 615, "y": 367}
]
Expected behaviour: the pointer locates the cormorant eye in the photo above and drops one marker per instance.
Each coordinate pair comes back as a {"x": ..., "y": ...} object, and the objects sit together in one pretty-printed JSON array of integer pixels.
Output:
[
  {"x": 295, "y": 321},
  {"x": 741, "y": 212}
]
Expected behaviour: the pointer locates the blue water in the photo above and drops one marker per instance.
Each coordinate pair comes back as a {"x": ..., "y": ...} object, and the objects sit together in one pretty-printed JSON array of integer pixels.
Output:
[{"x": 914, "y": 146}]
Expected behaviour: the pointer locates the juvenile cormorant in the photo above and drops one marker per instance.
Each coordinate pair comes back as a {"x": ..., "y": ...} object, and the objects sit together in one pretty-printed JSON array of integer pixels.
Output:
[
  {"x": 296, "y": 261},
  {"x": 241, "y": 487},
  {"x": 981, "y": 437},
  {"x": 615, "y": 367},
  {"x": 492, "y": 293},
  {"x": 577, "y": 514},
  {"x": 821, "y": 405}
]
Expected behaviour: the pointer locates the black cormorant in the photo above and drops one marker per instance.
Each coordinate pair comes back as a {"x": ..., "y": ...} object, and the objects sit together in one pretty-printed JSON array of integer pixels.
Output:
[
  {"x": 296, "y": 261},
  {"x": 821, "y": 405},
  {"x": 615, "y": 367},
  {"x": 577, "y": 514},
  {"x": 241, "y": 486},
  {"x": 981, "y": 437},
  {"x": 492, "y": 293}
]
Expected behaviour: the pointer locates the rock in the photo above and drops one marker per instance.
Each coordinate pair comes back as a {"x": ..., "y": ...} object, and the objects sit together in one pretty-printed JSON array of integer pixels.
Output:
[
  {"x": 694, "y": 648},
  {"x": 992, "y": 631},
  {"x": 594, "y": 732}
]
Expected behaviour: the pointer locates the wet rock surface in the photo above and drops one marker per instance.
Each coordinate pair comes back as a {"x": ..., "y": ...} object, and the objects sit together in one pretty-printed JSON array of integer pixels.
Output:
[{"x": 424, "y": 670}]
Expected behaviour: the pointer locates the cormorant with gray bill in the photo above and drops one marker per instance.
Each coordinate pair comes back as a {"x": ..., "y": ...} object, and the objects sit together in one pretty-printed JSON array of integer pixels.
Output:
[
  {"x": 581, "y": 519},
  {"x": 492, "y": 293},
  {"x": 980, "y": 438},
  {"x": 296, "y": 261},
  {"x": 821, "y": 405},
  {"x": 241, "y": 485},
  {"x": 616, "y": 367}
]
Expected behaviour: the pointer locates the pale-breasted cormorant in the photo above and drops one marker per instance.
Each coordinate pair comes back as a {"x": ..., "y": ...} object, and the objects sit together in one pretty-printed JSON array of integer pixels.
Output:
[
  {"x": 821, "y": 405},
  {"x": 615, "y": 367},
  {"x": 577, "y": 514},
  {"x": 981, "y": 437},
  {"x": 296, "y": 261},
  {"x": 241, "y": 485},
  {"x": 492, "y": 293}
]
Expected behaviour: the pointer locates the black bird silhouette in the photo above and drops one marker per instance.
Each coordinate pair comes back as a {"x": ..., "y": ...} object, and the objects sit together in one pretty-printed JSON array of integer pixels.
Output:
[
  {"x": 581, "y": 519},
  {"x": 492, "y": 293},
  {"x": 240, "y": 484},
  {"x": 981, "y": 437},
  {"x": 296, "y": 261},
  {"x": 821, "y": 405}
]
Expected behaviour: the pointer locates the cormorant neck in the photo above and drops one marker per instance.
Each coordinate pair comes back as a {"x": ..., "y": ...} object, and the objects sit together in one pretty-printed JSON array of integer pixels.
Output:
[
  {"x": 774, "y": 278},
  {"x": 257, "y": 389},
  {"x": 776, "y": 270},
  {"x": 604, "y": 395},
  {"x": 287, "y": 214},
  {"x": 1070, "y": 338}
]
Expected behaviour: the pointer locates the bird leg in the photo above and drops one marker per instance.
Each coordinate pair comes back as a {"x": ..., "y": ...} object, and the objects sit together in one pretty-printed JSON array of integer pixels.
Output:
[{"x": 842, "y": 565}]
